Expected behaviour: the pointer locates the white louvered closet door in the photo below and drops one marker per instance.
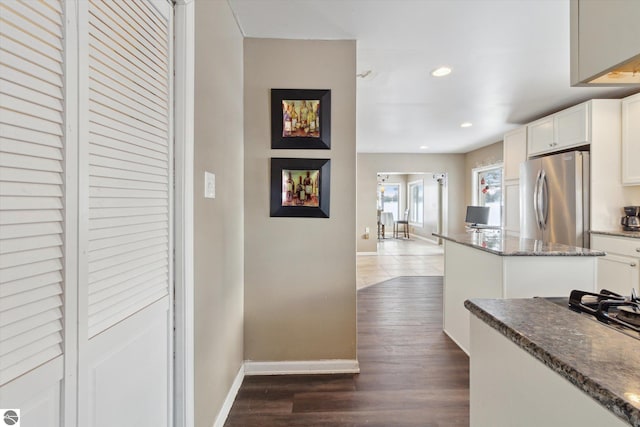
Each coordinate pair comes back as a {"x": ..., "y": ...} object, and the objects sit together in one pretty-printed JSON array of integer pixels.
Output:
[
  {"x": 32, "y": 201},
  {"x": 125, "y": 198}
]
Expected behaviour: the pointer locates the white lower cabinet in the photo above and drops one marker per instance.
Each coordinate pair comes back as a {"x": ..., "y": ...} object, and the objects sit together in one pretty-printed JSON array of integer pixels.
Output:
[
  {"x": 509, "y": 387},
  {"x": 619, "y": 270}
]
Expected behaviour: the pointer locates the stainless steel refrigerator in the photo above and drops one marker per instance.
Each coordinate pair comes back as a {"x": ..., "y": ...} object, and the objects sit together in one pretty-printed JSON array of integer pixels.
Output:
[{"x": 554, "y": 199}]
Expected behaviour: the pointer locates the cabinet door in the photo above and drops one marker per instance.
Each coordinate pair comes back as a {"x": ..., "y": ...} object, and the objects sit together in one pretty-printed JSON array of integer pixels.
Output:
[
  {"x": 512, "y": 206},
  {"x": 571, "y": 127},
  {"x": 515, "y": 152},
  {"x": 618, "y": 273},
  {"x": 631, "y": 140},
  {"x": 540, "y": 136}
]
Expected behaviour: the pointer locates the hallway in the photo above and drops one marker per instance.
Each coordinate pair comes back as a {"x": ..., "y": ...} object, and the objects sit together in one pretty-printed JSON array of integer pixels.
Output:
[
  {"x": 411, "y": 373},
  {"x": 399, "y": 257}
]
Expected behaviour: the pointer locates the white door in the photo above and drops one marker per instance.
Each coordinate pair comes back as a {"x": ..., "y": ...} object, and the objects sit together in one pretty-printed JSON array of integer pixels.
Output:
[
  {"x": 86, "y": 211},
  {"x": 32, "y": 200},
  {"x": 125, "y": 152}
]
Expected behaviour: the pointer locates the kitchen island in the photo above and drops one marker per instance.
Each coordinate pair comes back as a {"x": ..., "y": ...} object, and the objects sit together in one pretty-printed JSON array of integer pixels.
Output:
[
  {"x": 490, "y": 265},
  {"x": 536, "y": 363}
]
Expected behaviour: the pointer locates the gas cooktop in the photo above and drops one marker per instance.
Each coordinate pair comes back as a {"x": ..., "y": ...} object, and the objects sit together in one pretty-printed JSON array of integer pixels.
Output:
[{"x": 611, "y": 309}]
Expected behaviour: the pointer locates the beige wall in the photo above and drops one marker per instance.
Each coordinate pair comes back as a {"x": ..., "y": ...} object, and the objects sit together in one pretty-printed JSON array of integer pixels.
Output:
[
  {"x": 300, "y": 278},
  {"x": 369, "y": 164},
  {"x": 485, "y": 156},
  {"x": 219, "y": 234}
]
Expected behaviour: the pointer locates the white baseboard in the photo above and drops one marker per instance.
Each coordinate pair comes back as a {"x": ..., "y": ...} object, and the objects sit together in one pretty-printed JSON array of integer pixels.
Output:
[
  {"x": 366, "y": 253},
  {"x": 332, "y": 366},
  {"x": 430, "y": 240},
  {"x": 231, "y": 397}
]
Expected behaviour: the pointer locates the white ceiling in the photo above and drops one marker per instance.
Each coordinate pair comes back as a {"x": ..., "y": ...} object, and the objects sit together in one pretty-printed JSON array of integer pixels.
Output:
[{"x": 510, "y": 61}]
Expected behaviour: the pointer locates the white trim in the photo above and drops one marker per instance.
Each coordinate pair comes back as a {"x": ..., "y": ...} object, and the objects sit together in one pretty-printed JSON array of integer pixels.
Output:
[
  {"x": 366, "y": 253},
  {"x": 474, "y": 183},
  {"x": 433, "y": 240},
  {"x": 69, "y": 394},
  {"x": 184, "y": 51},
  {"x": 409, "y": 202},
  {"x": 221, "y": 418},
  {"x": 332, "y": 366}
]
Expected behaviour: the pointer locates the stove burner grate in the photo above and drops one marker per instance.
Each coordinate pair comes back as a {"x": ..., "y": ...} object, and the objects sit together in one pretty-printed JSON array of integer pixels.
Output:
[{"x": 608, "y": 307}]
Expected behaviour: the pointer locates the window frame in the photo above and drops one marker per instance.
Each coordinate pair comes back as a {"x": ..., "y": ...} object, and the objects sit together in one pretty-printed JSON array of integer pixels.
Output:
[
  {"x": 475, "y": 188},
  {"x": 413, "y": 213}
]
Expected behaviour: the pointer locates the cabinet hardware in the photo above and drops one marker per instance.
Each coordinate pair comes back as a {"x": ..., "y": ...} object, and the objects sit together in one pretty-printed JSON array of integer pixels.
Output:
[
  {"x": 633, "y": 264},
  {"x": 637, "y": 249}
]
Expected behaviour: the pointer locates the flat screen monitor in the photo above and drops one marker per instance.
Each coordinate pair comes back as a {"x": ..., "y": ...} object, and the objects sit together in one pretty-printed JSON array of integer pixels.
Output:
[{"x": 477, "y": 215}]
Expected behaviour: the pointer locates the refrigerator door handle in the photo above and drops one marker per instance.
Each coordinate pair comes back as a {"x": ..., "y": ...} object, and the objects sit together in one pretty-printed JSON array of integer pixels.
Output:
[
  {"x": 536, "y": 199},
  {"x": 544, "y": 193}
]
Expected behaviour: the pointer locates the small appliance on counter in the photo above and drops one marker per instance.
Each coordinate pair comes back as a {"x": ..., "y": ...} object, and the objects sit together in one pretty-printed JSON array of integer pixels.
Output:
[{"x": 631, "y": 220}]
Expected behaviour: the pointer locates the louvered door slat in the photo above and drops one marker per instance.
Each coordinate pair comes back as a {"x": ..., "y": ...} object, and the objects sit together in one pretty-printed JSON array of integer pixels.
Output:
[
  {"x": 112, "y": 153},
  {"x": 29, "y": 337},
  {"x": 29, "y": 284},
  {"x": 109, "y": 187},
  {"x": 47, "y": 9},
  {"x": 119, "y": 92},
  {"x": 22, "y": 134},
  {"x": 31, "y": 185},
  {"x": 30, "y": 189},
  {"x": 16, "y": 118},
  {"x": 25, "y": 148},
  {"x": 128, "y": 161},
  {"x": 40, "y": 53},
  {"x": 156, "y": 21},
  {"x": 107, "y": 69},
  {"x": 17, "y": 328},
  {"x": 30, "y": 95},
  {"x": 27, "y": 81},
  {"x": 121, "y": 213},
  {"x": 148, "y": 270},
  {"x": 126, "y": 165},
  {"x": 108, "y": 13},
  {"x": 117, "y": 221},
  {"x": 40, "y": 355},
  {"x": 47, "y": 342},
  {"x": 31, "y": 12},
  {"x": 104, "y": 135},
  {"x": 27, "y": 243},
  {"x": 115, "y": 241},
  {"x": 27, "y": 311}
]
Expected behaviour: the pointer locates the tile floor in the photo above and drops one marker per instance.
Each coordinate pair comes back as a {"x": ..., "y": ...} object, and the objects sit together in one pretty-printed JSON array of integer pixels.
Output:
[{"x": 399, "y": 257}]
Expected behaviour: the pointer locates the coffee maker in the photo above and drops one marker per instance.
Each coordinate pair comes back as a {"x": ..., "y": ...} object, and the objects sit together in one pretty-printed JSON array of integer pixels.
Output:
[{"x": 631, "y": 220}]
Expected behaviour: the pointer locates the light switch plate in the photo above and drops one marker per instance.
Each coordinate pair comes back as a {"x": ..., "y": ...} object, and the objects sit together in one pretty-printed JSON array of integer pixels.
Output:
[{"x": 209, "y": 185}]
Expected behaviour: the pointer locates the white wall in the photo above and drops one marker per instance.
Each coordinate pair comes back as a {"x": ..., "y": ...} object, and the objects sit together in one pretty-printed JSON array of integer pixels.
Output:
[
  {"x": 219, "y": 224},
  {"x": 300, "y": 293}
]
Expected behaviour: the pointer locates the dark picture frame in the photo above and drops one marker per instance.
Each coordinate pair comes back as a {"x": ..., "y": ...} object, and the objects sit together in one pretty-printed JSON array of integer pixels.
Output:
[
  {"x": 301, "y": 119},
  {"x": 310, "y": 193}
]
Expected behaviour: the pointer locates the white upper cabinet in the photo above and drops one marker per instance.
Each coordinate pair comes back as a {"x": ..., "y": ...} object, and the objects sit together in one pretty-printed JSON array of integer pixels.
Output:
[
  {"x": 515, "y": 152},
  {"x": 540, "y": 136},
  {"x": 604, "y": 42},
  {"x": 566, "y": 129},
  {"x": 631, "y": 140}
]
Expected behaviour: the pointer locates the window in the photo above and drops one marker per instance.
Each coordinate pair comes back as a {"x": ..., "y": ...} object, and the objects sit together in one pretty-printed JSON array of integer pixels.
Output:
[
  {"x": 389, "y": 199},
  {"x": 488, "y": 191},
  {"x": 416, "y": 202}
]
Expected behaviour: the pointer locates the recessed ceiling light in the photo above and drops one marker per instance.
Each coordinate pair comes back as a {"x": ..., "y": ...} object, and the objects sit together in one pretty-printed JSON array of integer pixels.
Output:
[
  {"x": 423, "y": 147},
  {"x": 466, "y": 125},
  {"x": 441, "y": 72}
]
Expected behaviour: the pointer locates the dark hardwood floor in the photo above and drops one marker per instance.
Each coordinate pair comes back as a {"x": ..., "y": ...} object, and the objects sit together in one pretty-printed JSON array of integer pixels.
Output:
[{"x": 411, "y": 373}]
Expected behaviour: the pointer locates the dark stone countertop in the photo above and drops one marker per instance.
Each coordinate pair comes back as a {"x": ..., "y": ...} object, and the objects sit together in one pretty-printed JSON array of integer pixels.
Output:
[
  {"x": 602, "y": 362},
  {"x": 497, "y": 243},
  {"x": 618, "y": 233}
]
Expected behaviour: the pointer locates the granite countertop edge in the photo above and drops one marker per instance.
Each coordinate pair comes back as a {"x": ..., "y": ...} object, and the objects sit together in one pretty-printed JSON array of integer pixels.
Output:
[
  {"x": 521, "y": 253},
  {"x": 604, "y": 396},
  {"x": 618, "y": 233}
]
